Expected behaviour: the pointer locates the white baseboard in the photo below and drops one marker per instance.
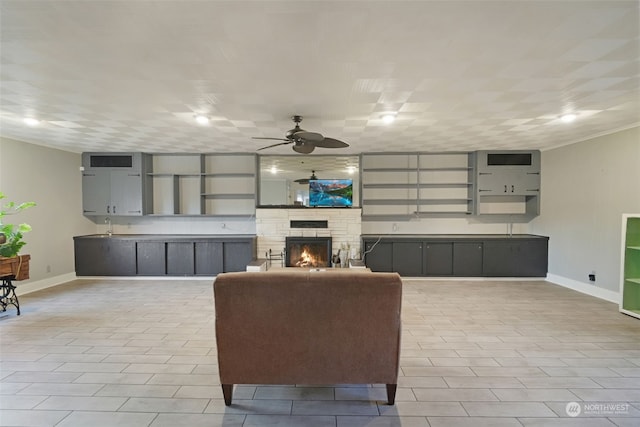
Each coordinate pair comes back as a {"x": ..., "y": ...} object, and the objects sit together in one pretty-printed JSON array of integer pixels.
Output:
[
  {"x": 585, "y": 288},
  {"x": 38, "y": 285}
]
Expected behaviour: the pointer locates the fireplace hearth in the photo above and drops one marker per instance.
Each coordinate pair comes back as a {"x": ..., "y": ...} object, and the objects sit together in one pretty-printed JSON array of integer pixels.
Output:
[{"x": 309, "y": 252}]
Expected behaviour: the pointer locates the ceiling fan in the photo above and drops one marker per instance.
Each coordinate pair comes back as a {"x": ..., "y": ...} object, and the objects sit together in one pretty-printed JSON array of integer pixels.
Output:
[
  {"x": 304, "y": 142},
  {"x": 306, "y": 180}
]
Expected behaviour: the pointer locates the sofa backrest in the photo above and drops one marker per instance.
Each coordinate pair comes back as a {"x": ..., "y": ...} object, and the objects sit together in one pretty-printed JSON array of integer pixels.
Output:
[{"x": 308, "y": 328}]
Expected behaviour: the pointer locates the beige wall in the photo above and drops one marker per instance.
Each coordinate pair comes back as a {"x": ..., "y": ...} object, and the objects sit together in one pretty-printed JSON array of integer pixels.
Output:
[
  {"x": 50, "y": 178},
  {"x": 586, "y": 187}
]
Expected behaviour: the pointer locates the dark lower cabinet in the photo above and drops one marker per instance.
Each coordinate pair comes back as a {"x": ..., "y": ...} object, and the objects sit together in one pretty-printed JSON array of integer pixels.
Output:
[
  {"x": 209, "y": 258},
  {"x": 467, "y": 259},
  {"x": 438, "y": 259},
  {"x": 236, "y": 256},
  {"x": 152, "y": 258},
  {"x": 158, "y": 256},
  {"x": 379, "y": 256},
  {"x": 407, "y": 258},
  {"x": 515, "y": 258},
  {"x": 180, "y": 259},
  {"x": 105, "y": 257},
  {"x": 472, "y": 256}
]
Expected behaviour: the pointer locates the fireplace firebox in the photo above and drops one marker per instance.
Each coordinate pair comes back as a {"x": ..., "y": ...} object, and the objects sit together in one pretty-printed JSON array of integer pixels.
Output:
[{"x": 308, "y": 252}]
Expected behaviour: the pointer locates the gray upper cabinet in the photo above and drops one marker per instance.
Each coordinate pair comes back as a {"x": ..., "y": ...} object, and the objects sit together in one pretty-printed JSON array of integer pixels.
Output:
[
  {"x": 115, "y": 184},
  {"x": 508, "y": 184}
]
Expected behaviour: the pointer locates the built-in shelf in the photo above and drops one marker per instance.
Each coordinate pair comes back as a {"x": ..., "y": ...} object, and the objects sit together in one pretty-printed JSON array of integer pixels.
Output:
[
  {"x": 211, "y": 185},
  {"x": 630, "y": 265},
  {"x": 402, "y": 186}
]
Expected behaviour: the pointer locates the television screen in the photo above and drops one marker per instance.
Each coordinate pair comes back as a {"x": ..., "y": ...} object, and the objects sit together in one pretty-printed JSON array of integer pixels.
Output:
[{"x": 331, "y": 192}]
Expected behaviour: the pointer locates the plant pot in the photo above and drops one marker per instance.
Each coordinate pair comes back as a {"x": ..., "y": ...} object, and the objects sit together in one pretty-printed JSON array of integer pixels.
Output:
[
  {"x": 3, "y": 238},
  {"x": 17, "y": 266}
]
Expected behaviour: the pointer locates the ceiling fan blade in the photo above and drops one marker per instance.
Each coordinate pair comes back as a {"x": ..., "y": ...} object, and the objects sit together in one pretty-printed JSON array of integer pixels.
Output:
[
  {"x": 330, "y": 143},
  {"x": 274, "y": 145},
  {"x": 273, "y": 139},
  {"x": 302, "y": 181},
  {"x": 303, "y": 148},
  {"x": 308, "y": 136}
]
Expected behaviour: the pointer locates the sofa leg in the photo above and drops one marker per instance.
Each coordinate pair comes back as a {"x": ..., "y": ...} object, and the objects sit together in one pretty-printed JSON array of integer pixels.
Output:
[
  {"x": 227, "y": 392},
  {"x": 391, "y": 393}
]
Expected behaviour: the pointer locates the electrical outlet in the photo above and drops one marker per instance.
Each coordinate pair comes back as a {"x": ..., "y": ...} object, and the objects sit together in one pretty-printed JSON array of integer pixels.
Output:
[{"x": 592, "y": 276}]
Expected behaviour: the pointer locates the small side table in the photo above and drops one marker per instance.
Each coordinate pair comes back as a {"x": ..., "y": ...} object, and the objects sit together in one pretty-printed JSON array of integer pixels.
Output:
[{"x": 8, "y": 294}]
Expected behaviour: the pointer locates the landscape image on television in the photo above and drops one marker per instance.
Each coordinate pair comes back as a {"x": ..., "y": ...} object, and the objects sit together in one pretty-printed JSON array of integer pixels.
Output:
[{"x": 331, "y": 192}]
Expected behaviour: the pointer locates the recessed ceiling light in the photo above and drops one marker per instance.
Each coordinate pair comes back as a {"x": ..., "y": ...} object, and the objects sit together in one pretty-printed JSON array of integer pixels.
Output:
[
  {"x": 388, "y": 118},
  {"x": 351, "y": 170},
  {"x": 274, "y": 170},
  {"x": 568, "y": 118},
  {"x": 30, "y": 121},
  {"x": 203, "y": 120}
]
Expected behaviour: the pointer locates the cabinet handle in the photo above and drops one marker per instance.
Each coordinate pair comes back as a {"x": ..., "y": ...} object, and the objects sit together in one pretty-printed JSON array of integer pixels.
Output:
[
  {"x": 114, "y": 209},
  {"x": 108, "y": 209},
  {"x": 505, "y": 188},
  {"x": 533, "y": 189},
  {"x": 512, "y": 188},
  {"x": 481, "y": 190}
]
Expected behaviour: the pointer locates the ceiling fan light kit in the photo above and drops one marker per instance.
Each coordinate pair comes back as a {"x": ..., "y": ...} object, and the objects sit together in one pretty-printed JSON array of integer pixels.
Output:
[{"x": 303, "y": 142}]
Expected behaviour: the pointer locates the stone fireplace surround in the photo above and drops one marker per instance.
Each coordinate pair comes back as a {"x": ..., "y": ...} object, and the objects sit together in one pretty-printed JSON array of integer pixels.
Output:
[{"x": 344, "y": 226}]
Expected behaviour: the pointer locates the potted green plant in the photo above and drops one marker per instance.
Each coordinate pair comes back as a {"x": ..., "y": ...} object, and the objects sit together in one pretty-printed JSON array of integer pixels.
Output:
[{"x": 11, "y": 241}]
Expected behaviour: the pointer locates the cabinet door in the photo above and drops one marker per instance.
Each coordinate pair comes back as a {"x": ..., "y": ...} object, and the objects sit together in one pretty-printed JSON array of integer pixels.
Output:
[
  {"x": 237, "y": 255},
  {"x": 438, "y": 259},
  {"x": 152, "y": 259},
  {"x": 467, "y": 259},
  {"x": 528, "y": 184},
  {"x": 105, "y": 257},
  {"x": 209, "y": 258},
  {"x": 380, "y": 258},
  {"x": 498, "y": 259},
  {"x": 517, "y": 258},
  {"x": 96, "y": 187},
  {"x": 126, "y": 193},
  {"x": 531, "y": 258},
  {"x": 491, "y": 184},
  {"x": 408, "y": 258},
  {"x": 180, "y": 259},
  {"x": 508, "y": 183}
]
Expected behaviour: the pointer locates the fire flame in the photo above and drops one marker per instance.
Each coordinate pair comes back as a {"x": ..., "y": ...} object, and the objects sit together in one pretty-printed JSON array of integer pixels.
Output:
[{"x": 307, "y": 259}]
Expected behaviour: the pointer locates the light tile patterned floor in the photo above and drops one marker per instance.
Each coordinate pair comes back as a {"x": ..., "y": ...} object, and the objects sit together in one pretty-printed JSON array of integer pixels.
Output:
[{"x": 475, "y": 353}]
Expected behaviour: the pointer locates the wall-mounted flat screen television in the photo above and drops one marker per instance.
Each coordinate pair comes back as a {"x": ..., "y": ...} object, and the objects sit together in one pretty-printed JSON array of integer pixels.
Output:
[{"x": 337, "y": 193}]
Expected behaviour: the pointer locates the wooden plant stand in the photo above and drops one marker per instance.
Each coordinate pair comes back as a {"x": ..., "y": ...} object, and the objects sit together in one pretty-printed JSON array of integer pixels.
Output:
[{"x": 14, "y": 268}]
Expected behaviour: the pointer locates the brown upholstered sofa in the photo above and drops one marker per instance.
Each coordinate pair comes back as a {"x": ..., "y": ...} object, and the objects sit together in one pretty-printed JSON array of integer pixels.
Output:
[{"x": 298, "y": 327}]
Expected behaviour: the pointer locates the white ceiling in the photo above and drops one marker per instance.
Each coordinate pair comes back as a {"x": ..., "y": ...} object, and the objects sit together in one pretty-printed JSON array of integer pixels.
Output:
[{"x": 131, "y": 75}]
